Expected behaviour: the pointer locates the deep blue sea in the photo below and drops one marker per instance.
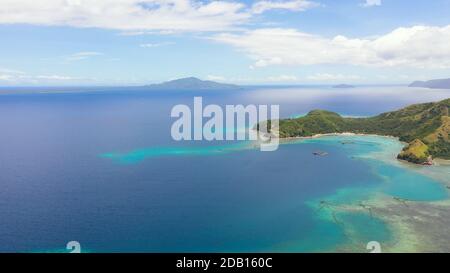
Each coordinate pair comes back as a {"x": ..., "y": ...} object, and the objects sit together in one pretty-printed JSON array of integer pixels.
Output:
[{"x": 100, "y": 167}]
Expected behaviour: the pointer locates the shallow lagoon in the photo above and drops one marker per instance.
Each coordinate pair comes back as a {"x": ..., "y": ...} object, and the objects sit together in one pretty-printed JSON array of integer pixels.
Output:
[{"x": 326, "y": 229}]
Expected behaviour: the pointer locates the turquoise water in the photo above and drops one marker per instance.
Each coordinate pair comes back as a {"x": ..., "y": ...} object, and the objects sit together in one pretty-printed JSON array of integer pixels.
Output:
[
  {"x": 409, "y": 184},
  {"x": 399, "y": 179},
  {"x": 101, "y": 168},
  {"x": 331, "y": 227},
  {"x": 139, "y": 155}
]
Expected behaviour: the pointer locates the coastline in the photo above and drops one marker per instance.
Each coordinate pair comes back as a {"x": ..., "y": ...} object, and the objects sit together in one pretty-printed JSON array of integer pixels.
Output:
[
  {"x": 340, "y": 134},
  {"x": 407, "y": 222},
  {"x": 406, "y": 227},
  {"x": 435, "y": 161},
  {"x": 443, "y": 162}
]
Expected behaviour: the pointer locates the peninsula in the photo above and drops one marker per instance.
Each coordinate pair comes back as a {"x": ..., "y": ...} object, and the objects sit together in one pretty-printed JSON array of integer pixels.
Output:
[{"x": 425, "y": 127}]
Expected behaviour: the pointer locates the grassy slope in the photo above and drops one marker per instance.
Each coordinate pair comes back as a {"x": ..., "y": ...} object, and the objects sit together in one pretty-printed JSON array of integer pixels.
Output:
[{"x": 416, "y": 152}]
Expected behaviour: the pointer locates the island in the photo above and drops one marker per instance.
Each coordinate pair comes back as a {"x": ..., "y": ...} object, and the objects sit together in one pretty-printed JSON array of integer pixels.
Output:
[
  {"x": 343, "y": 86},
  {"x": 424, "y": 127},
  {"x": 432, "y": 84},
  {"x": 192, "y": 83}
]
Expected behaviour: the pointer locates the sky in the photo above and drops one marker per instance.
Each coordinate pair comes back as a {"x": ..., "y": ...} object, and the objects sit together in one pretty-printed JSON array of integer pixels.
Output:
[{"x": 136, "y": 42}]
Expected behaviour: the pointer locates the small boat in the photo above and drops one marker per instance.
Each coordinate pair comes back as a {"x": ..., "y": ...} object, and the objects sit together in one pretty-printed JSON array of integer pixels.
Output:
[{"x": 320, "y": 153}]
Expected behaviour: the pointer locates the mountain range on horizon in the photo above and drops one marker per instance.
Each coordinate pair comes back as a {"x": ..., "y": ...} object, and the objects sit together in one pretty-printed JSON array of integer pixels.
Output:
[
  {"x": 432, "y": 84},
  {"x": 192, "y": 83},
  {"x": 343, "y": 86}
]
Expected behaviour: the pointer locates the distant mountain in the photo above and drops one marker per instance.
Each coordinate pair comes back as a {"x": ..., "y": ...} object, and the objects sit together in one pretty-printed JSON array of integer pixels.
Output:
[
  {"x": 426, "y": 127},
  {"x": 434, "y": 84},
  {"x": 192, "y": 83},
  {"x": 343, "y": 86}
]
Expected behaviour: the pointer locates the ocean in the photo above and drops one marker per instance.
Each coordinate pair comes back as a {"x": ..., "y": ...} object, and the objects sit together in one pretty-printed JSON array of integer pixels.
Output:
[{"x": 100, "y": 167}]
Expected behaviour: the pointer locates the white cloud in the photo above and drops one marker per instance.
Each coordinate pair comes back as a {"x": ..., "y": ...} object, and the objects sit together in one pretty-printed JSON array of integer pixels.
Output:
[
  {"x": 56, "y": 78},
  {"x": 9, "y": 75},
  {"x": 294, "y": 5},
  {"x": 418, "y": 46},
  {"x": 151, "y": 45},
  {"x": 14, "y": 76},
  {"x": 269, "y": 79},
  {"x": 82, "y": 55},
  {"x": 332, "y": 77},
  {"x": 5, "y": 77},
  {"x": 140, "y": 16},
  {"x": 283, "y": 78},
  {"x": 126, "y": 14},
  {"x": 371, "y": 3},
  {"x": 150, "y": 32},
  {"x": 215, "y": 78}
]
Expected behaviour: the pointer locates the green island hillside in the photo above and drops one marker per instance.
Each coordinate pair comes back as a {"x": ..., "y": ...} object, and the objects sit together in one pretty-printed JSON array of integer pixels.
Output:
[{"x": 426, "y": 127}]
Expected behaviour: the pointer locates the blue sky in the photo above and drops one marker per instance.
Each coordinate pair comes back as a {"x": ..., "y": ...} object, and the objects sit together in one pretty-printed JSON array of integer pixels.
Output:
[{"x": 131, "y": 42}]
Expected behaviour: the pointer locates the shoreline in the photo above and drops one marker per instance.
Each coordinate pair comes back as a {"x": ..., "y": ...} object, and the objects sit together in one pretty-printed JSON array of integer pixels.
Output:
[
  {"x": 443, "y": 162},
  {"x": 340, "y": 134},
  {"x": 408, "y": 223},
  {"x": 439, "y": 161}
]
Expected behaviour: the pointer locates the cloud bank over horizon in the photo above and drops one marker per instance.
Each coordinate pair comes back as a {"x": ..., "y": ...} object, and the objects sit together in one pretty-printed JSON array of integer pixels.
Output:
[
  {"x": 283, "y": 41},
  {"x": 418, "y": 46},
  {"x": 164, "y": 15}
]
